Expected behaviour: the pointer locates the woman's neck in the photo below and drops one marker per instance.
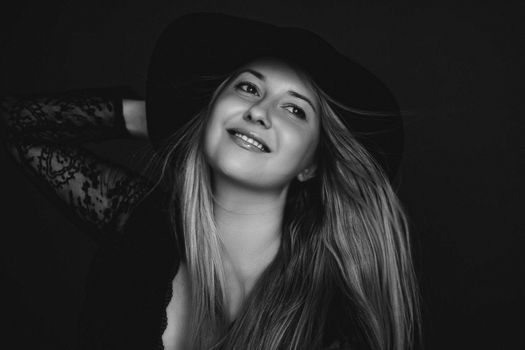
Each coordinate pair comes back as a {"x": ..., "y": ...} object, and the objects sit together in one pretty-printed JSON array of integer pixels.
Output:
[{"x": 249, "y": 223}]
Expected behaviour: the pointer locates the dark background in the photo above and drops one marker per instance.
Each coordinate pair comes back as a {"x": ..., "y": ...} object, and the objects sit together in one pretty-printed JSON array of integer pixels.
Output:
[{"x": 457, "y": 71}]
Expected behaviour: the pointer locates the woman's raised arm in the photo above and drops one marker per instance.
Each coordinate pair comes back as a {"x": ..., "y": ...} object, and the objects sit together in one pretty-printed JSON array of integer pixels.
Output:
[{"x": 44, "y": 133}]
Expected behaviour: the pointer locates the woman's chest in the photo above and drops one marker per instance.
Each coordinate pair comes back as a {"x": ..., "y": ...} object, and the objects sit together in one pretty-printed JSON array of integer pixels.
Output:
[{"x": 178, "y": 313}]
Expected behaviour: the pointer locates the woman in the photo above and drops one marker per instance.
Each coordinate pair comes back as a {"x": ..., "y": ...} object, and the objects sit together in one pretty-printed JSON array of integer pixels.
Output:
[{"x": 273, "y": 224}]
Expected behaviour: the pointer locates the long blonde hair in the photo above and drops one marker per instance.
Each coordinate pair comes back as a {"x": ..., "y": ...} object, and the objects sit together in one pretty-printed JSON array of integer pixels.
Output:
[{"x": 345, "y": 251}]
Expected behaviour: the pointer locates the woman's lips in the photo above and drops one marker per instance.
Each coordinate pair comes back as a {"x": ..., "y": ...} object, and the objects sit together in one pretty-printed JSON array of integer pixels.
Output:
[{"x": 248, "y": 140}]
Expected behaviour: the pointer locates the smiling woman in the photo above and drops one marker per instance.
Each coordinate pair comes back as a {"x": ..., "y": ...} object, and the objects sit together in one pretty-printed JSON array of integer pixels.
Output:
[{"x": 272, "y": 225}]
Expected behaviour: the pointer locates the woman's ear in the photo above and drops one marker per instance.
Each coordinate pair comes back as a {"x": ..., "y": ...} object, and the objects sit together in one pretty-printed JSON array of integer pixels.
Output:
[{"x": 307, "y": 173}]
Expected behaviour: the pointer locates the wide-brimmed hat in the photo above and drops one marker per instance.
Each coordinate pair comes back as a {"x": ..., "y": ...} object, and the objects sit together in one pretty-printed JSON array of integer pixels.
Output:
[{"x": 201, "y": 45}]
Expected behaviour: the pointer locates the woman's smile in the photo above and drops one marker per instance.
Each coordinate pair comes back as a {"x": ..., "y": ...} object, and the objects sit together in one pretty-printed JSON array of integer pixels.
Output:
[{"x": 248, "y": 140}]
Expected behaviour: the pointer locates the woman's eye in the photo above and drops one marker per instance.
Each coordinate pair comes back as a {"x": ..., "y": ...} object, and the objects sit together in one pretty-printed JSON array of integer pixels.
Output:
[
  {"x": 298, "y": 112},
  {"x": 247, "y": 87}
]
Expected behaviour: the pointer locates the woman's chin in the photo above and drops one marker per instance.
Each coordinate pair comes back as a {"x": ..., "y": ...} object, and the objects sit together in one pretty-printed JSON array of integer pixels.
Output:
[{"x": 242, "y": 177}]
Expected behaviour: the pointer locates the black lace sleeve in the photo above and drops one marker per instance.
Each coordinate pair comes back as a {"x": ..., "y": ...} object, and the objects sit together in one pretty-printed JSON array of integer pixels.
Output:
[
  {"x": 43, "y": 135},
  {"x": 72, "y": 117}
]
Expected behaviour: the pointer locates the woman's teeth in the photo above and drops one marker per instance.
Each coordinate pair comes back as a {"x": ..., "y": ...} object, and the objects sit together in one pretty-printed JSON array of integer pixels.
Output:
[{"x": 251, "y": 141}]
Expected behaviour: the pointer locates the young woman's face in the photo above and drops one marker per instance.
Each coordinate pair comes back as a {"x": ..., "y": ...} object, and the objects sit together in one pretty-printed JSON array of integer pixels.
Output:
[{"x": 263, "y": 129}]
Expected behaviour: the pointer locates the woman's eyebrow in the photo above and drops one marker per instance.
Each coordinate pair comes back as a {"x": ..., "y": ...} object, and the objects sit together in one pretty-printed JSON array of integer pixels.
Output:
[
  {"x": 290, "y": 92},
  {"x": 298, "y": 95},
  {"x": 253, "y": 72}
]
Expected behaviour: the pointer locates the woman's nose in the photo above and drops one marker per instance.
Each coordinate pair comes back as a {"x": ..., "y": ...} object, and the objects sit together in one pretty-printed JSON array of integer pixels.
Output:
[{"x": 259, "y": 114}]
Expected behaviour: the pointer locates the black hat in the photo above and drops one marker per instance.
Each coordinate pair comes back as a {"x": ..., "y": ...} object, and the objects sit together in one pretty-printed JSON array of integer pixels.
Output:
[{"x": 211, "y": 44}]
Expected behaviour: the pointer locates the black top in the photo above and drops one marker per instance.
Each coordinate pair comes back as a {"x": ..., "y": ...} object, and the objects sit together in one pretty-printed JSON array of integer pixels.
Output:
[{"x": 129, "y": 284}]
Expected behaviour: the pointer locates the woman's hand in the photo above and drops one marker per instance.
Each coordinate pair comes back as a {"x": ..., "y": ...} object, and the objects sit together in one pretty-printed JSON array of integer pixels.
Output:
[{"x": 134, "y": 112}]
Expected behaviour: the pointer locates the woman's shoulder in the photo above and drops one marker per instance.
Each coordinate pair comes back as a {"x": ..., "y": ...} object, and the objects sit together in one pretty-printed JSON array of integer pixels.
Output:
[
  {"x": 135, "y": 270},
  {"x": 150, "y": 211},
  {"x": 146, "y": 237},
  {"x": 149, "y": 224}
]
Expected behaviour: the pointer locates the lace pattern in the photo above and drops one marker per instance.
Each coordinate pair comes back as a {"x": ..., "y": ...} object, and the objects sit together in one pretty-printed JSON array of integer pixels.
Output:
[
  {"x": 72, "y": 117},
  {"x": 41, "y": 135}
]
